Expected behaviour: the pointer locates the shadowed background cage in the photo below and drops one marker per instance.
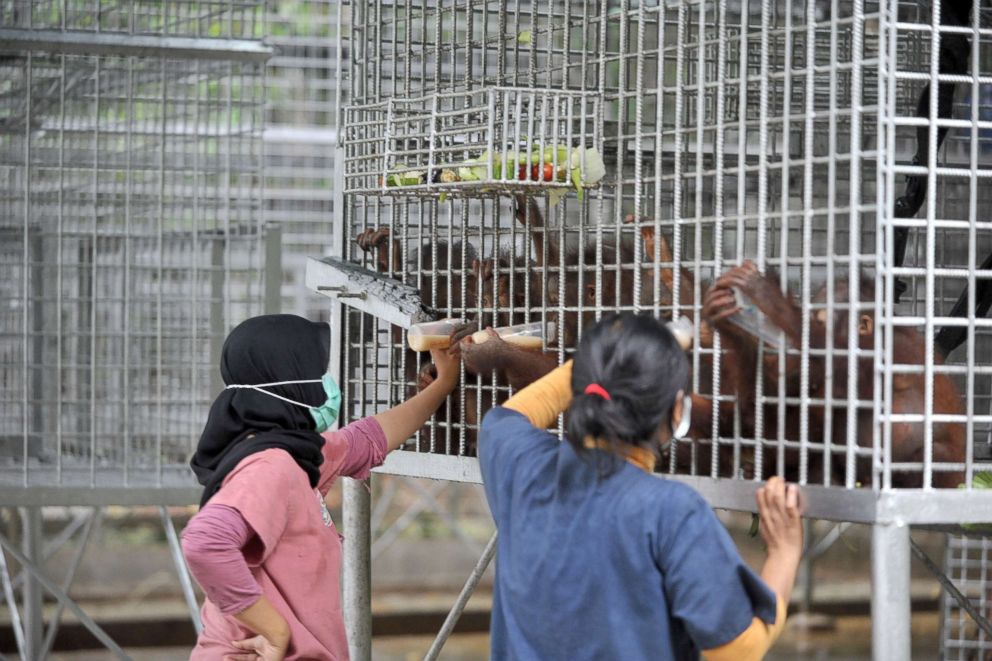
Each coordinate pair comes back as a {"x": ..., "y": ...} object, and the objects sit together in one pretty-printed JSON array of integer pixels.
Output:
[{"x": 132, "y": 232}]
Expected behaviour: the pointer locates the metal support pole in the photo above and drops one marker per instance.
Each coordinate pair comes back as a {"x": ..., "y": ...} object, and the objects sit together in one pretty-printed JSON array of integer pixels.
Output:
[
  {"x": 56, "y": 619},
  {"x": 181, "y": 569},
  {"x": 806, "y": 571},
  {"x": 96, "y": 43},
  {"x": 15, "y": 613},
  {"x": 396, "y": 529},
  {"x": 460, "y": 603},
  {"x": 890, "y": 606},
  {"x": 64, "y": 599},
  {"x": 273, "y": 268},
  {"x": 357, "y": 576},
  {"x": 218, "y": 322},
  {"x": 34, "y": 627}
]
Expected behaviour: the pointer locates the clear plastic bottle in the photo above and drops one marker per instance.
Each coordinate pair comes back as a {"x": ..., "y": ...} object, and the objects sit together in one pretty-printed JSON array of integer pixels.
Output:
[
  {"x": 682, "y": 328},
  {"x": 752, "y": 320},
  {"x": 526, "y": 336},
  {"x": 432, "y": 334}
]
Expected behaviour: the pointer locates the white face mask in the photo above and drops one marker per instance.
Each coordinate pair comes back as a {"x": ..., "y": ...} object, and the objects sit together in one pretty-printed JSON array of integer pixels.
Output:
[
  {"x": 323, "y": 415},
  {"x": 679, "y": 432}
]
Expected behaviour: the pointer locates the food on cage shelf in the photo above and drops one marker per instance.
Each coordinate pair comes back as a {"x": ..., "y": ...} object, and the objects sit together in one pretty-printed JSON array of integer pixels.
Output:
[
  {"x": 979, "y": 480},
  {"x": 411, "y": 178},
  {"x": 581, "y": 166},
  {"x": 444, "y": 176},
  {"x": 525, "y": 38},
  {"x": 547, "y": 173},
  {"x": 525, "y": 336},
  {"x": 404, "y": 178},
  {"x": 432, "y": 334}
]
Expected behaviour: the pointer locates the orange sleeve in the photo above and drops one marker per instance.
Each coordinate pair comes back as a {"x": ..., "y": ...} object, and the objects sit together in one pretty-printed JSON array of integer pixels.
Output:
[
  {"x": 542, "y": 401},
  {"x": 754, "y": 642}
]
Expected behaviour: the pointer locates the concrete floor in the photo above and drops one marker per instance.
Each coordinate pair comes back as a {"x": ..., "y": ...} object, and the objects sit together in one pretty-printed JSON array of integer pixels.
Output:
[{"x": 848, "y": 640}]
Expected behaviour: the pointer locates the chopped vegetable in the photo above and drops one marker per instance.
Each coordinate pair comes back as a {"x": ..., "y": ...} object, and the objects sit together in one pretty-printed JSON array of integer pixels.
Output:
[
  {"x": 547, "y": 173},
  {"x": 411, "y": 178},
  {"x": 525, "y": 38},
  {"x": 581, "y": 166},
  {"x": 755, "y": 525},
  {"x": 982, "y": 480}
]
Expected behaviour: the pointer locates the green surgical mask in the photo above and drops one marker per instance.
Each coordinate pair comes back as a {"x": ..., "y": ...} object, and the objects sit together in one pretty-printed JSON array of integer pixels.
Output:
[{"x": 323, "y": 415}]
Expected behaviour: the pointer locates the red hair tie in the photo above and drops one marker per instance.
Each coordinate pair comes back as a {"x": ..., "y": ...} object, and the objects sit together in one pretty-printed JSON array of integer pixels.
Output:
[{"x": 596, "y": 389}]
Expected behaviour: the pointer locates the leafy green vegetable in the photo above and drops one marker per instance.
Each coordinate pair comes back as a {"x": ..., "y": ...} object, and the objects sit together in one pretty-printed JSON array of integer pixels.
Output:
[{"x": 982, "y": 480}]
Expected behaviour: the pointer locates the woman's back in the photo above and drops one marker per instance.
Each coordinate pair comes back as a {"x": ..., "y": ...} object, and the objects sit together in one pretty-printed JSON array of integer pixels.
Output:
[{"x": 605, "y": 566}]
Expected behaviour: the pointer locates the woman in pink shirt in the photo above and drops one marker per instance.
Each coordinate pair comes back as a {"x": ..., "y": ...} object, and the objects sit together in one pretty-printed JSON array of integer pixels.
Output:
[{"x": 263, "y": 545}]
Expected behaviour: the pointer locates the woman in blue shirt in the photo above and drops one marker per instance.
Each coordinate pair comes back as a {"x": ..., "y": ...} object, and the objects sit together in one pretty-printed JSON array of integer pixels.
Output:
[{"x": 597, "y": 557}]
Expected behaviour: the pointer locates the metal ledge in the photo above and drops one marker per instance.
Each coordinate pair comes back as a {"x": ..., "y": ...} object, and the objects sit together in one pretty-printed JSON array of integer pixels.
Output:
[
  {"x": 830, "y": 503},
  {"x": 935, "y": 508},
  {"x": 431, "y": 466},
  {"x": 106, "y": 43},
  {"x": 99, "y": 496}
]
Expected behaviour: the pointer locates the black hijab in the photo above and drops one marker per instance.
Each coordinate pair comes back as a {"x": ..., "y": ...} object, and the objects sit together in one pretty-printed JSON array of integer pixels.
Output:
[{"x": 277, "y": 347}]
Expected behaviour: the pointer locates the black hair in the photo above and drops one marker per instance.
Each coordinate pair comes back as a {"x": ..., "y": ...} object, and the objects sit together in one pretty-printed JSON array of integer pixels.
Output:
[{"x": 637, "y": 360}]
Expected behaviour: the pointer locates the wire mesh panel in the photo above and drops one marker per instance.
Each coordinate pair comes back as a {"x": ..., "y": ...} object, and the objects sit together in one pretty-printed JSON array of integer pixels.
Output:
[
  {"x": 968, "y": 562},
  {"x": 777, "y": 150},
  {"x": 466, "y": 142},
  {"x": 130, "y": 213},
  {"x": 300, "y": 136},
  {"x": 221, "y": 19}
]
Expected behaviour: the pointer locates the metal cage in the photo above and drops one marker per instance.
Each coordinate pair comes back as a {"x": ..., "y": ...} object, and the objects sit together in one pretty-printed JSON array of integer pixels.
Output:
[
  {"x": 825, "y": 141},
  {"x": 749, "y": 155},
  {"x": 130, "y": 210}
]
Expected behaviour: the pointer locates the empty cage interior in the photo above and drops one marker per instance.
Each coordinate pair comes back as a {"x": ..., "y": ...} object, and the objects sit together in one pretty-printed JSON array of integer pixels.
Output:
[
  {"x": 130, "y": 213},
  {"x": 782, "y": 133}
]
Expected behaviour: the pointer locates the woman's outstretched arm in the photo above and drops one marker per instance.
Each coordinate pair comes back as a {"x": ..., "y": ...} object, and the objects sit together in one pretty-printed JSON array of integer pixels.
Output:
[{"x": 400, "y": 422}]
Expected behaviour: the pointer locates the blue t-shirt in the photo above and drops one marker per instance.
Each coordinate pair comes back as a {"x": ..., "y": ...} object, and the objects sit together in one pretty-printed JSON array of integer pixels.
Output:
[{"x": 627, "y": 566}]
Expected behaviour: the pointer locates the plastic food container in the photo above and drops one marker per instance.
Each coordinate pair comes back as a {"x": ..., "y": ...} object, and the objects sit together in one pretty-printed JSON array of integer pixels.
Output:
[
  {"x": 432, "y": 334},
  {"x": 525, "y": 336}
]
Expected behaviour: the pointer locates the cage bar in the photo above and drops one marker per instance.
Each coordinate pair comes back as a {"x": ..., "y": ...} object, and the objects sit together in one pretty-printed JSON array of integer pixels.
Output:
[{"x": 131, "y": 214}]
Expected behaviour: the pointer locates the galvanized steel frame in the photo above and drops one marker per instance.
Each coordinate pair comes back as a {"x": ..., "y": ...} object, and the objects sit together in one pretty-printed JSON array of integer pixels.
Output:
[{"x": 853, "y": 62}]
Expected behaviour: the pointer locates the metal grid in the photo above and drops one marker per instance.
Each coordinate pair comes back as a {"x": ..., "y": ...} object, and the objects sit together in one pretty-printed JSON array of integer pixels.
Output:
[
  {"x": 433, "y": 138},
  {"x": 749, "y": 154},
  {"x": 967, "y": 563},
  {"x": 131, "y": 215},
  {"x": 216, "y": 19},
  {"x": 300, "y": 136}
]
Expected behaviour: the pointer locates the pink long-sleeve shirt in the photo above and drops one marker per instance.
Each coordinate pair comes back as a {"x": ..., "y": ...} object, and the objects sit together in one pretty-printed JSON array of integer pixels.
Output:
[{"x": 293, "y": 550}]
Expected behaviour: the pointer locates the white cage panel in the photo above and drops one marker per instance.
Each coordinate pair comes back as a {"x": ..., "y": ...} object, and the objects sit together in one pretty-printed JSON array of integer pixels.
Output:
[
  {"x": 130, "y": 209},
  {"x": 300, "y": 136},
  {"x": 784, "y": 133}
]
